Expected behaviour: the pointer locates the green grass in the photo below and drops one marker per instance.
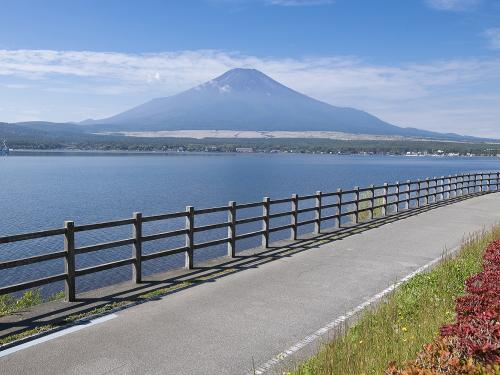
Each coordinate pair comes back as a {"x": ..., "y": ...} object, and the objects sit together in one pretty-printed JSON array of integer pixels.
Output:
[
  {"x": 397, "y": 328},
  {"x": 10, "y": 304},
  {"x": 69, "y": 319},
  {"x": 97, "y": 311},
  {"x": 27, "y": 333},
  {"x": 162, "y": 291}
]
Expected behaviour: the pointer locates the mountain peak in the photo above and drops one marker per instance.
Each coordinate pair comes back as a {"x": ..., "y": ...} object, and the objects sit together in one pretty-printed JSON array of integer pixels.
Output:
[
  {"x": 243, "y": 80},
  {"x": 242, "y": 72}
]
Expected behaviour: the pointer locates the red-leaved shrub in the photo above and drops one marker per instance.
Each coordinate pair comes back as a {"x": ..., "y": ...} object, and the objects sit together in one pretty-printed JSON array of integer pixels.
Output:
[{"x": 471, "y": 345}]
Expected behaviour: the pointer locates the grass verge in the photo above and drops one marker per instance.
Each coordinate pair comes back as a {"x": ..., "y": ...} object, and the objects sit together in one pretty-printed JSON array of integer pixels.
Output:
[
  {"x": 398, "y": 327},
  {"x": 10, "y": 304}
]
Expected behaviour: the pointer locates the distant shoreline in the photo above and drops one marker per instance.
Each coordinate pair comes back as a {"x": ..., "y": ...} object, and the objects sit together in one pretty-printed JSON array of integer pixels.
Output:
[
  {"x": 24, "y": 152},
  {"x": 28, "y": 152},
  {"x": 275, "y": 135}
]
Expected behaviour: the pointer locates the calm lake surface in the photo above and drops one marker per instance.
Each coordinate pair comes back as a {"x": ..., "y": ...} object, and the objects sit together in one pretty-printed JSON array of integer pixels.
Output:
[{"x": 41, "y": 192}]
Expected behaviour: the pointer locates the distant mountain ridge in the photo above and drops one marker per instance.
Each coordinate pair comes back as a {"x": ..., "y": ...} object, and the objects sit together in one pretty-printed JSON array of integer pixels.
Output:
[{"x": 247, "y": 99}]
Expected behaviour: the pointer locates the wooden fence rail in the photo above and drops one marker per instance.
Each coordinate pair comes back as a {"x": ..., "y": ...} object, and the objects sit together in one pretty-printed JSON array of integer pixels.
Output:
[{"x": 359, "y": 204}]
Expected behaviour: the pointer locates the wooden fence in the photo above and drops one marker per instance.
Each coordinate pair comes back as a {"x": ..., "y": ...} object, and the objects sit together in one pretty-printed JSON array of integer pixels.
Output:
[{"x": 372, "y": 201}]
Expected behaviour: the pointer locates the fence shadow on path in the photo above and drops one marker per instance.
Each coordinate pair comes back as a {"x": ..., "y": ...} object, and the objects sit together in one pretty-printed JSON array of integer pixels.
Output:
[{"x": 121, "y": 296}]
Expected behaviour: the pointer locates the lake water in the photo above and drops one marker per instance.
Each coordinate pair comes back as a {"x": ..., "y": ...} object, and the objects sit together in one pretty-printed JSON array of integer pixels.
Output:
[{"x": 41, "y": 192}]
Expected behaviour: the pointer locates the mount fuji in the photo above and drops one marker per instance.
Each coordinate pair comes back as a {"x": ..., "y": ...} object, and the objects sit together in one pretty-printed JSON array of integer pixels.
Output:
[{"x": 247, "y": 99}]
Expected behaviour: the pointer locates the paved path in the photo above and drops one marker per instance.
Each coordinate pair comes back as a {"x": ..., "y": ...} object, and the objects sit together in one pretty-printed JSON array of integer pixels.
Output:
[{"x": 218, "y": 327}]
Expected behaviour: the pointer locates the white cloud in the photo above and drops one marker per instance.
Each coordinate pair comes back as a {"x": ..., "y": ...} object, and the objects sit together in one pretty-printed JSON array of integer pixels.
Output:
[
  {"x": 453, "y": 5},
  {"x": 449, "y": 95},
  {"x": 493, "y": 36}
]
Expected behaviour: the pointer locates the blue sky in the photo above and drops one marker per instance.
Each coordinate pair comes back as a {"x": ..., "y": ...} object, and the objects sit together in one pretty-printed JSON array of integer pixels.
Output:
[{"x": 432, "y": 64}]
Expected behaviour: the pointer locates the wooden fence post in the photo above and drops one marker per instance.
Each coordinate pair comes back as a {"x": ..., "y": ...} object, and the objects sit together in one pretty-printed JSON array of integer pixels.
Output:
[
  {"x": 385, "y": 192},
  {"x": 372, "y": 201},
  {"x": 451, "y": 194},
  {"x": 69, "y": 261},
  {"x": 441, "y": 196},
  {"x": 189, "y": 262},
  {"x": 397, "y": 196},
  {"x": 356, "y": 213},
  {"x": 231, "y": 229},
  {"x": 450, "y": 186},
  {"x": 444, "y": 187},
  {"x": 417, "y": 194},
  {"x": 339, "y": 208},
  {"x": 436, "y": 191},
  {"x": 295, "y": 216},
  {"x": 434, "y": 194},
  {"x": 427, "y": 190},
  {"x": 317, "y": 223},
  {"x": 137, "y": 247},
  {"x": 498, "y": 180},
  {"x": 265, "y": 222},
  {"x": 408, "y": 195}
]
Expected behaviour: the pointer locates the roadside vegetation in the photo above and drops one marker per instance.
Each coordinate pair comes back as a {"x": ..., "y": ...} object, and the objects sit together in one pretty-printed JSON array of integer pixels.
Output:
[
  {"x": 395, "y": 331},
  {"x": 10, "y": 304},
  {"x": 470, "y": 345}
]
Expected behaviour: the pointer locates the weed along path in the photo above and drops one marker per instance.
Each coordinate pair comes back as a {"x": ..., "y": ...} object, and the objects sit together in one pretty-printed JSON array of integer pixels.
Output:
[{"x": 240, "y": 322}]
